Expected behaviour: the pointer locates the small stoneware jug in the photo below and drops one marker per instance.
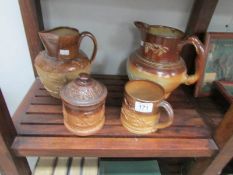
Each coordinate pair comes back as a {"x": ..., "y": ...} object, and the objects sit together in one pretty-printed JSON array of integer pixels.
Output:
[
  {"x": 62, "y": 60},
  {"x": 140, "y": 112},
  {"x": 158, "y": 59},
  {"x": 84, "y": 105}
]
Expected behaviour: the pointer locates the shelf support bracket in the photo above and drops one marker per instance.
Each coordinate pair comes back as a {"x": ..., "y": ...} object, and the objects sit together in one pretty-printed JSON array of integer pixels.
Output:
[
  {"x": 224, "y": 138},
  {"x": 9, "y": 163}
]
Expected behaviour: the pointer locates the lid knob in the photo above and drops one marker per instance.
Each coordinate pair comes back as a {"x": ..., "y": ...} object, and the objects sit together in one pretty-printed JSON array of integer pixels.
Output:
[
  {"x": 83, "y": 79},
  {"x": 84, "y": 76}
]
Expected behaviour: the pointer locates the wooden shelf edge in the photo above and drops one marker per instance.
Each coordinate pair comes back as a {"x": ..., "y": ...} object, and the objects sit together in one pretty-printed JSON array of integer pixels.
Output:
[
  {"x": 25, "y": 102},
  {"x": 113, "y": 147}
]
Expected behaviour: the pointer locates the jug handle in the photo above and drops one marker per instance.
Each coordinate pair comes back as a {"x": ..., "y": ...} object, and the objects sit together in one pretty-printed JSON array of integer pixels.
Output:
[
  {"x": 169, "y": 110},
  {"x": 92, "y": 37},
  {"x": 199, "y": 47}
]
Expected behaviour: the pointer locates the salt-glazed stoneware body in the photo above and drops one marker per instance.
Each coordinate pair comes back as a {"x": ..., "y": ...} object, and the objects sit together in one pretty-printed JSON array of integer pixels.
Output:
[
  {"x": 62, "y": 60},
  {"x": 140, "y": 112},
  {"x": 158, "y": 59},
  {"x": 84, "y": 105}
]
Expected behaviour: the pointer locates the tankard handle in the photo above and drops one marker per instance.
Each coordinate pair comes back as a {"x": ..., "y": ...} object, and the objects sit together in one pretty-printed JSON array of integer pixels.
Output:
[
  {"x": 170, "y": 113},
  {"x": 92, "y": 37},
  {"x": 190, "y": 79}
]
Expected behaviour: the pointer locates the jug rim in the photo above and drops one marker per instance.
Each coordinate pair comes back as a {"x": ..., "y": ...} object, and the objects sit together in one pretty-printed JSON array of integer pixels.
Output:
[
  {"x": 152, "y": 84},
  {"x": 147, "y": 27},
  {"x": 58, "y": 28},
  {"x": 179, "y": 32}
]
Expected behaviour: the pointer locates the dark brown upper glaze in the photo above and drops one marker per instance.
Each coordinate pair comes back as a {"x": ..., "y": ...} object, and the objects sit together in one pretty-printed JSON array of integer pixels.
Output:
[
  {"x": 65, "y": 39},
  {"x": 54, "y": 42},
  {"x": 84, "y": 91},
  {"x": 161, "y": 38}
]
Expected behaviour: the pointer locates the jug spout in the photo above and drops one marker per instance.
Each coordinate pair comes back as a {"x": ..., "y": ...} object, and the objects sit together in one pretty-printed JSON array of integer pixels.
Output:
[
  {"x": 50, "y": 43},
  {"x": 141, "y": 25},
  {"x": 61, "y": 42}
]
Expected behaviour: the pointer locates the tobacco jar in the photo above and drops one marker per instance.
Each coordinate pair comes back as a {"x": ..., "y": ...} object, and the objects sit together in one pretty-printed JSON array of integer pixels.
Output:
[
  {"x": 62, "y": 60},
  {"x": 83, "y": 106},
  {"x": 158, "y": 58}
]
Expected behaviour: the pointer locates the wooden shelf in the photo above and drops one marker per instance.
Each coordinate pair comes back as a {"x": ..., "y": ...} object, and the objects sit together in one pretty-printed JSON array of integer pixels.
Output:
[{"x": 40, "y": 129}]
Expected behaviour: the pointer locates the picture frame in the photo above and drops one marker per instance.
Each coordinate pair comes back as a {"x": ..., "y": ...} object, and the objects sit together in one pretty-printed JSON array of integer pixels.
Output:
[{"x": 217, "y": 63}]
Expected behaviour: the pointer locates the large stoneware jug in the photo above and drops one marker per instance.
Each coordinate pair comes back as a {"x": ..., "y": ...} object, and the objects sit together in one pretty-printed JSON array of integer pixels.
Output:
[
  {"x": 62, "y": 60},
  {"x": 158, "y": 59}
]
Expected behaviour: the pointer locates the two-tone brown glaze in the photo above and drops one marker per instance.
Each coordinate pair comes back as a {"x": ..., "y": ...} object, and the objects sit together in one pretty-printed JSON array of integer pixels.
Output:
[
  {"x": 84, "y": 105},
  {"x": 158, "y": 58},
  {"x": 62, "y": 60},
  {"x": 140, "y": 112}
]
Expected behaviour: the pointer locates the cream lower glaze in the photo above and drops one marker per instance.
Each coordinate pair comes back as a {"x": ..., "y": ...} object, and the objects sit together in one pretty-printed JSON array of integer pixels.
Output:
[
  {"x": 54, "y": 81},
  {"x": 84, "y": 123},
  {"x": 169, "y": 83},
  {"x": 139, "y": 123}
]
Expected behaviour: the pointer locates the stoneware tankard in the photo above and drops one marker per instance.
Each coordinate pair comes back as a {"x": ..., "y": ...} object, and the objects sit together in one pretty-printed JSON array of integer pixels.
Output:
[
  {"x": 158, "y": 59},
  {"x": 141, "y": 108}
]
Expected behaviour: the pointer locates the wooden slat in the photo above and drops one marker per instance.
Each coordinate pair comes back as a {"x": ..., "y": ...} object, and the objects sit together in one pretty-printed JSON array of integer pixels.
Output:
[
  {"x": 186, "y": 118},
  {"x": 112, "y": 147},
  {"x": 57, "y": 109},
  {"x": 45, "y": 101},
  {"x": 110, "y": 77},
  {"x": 48, "y": 100},
  {"x": 21, "y": 110},
  {"x": 115, "y": 131}
]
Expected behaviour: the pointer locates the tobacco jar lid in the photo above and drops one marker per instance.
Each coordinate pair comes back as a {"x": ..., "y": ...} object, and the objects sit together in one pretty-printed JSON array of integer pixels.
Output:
[{"x": 83, "y": 91}]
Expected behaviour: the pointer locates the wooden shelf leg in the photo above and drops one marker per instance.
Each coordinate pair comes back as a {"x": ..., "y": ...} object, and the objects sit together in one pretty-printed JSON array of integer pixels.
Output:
[
  {"x": 224, "y": 138},
  {"x": 33, "y": 23},
  {"x": 214, "y": 165},
  {"x": 200, "y": 17},
  {"x": 9, "y": 163}
]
